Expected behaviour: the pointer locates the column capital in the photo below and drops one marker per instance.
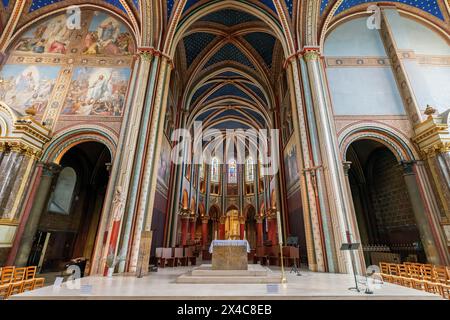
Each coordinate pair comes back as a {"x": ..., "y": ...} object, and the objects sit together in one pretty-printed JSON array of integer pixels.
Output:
[
  {"x": 148, "y": 53},
  {"x": 347, "y": 165},
  {"x": 433, "y": 134},
  {"x": 311, "y": 53},
  {"x": 205, "y": 219},
  {"x": 184, "y": 213},
  {"x": 50, "y": 169},
  {"x": 408, "y": 167}
]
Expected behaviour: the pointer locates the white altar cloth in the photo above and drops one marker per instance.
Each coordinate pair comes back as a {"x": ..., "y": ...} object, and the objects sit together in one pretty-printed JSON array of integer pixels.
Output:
[{"x": 243, "y": 243}]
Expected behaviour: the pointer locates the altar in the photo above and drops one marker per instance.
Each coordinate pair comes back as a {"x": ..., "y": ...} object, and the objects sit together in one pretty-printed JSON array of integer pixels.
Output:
[{"x": 229, "y": 254}]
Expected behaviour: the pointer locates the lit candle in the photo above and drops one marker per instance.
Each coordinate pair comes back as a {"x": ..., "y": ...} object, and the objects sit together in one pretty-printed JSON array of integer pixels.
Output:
[{"x": 280, "y": 236}]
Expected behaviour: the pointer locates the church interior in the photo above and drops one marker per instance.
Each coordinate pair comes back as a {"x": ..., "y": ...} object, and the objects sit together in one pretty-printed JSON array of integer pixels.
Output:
[{"x": 296, "y": 124}]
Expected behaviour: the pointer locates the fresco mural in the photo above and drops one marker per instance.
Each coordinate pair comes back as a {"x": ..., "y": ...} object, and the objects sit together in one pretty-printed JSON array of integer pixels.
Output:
[
  {"x": 97, "y": 91},
  {"x": 25, "y": 86},
  {"x": 290, "y": 163},
  {"x": 107, "y": 36},
  {"x": 51, "y": 36}
]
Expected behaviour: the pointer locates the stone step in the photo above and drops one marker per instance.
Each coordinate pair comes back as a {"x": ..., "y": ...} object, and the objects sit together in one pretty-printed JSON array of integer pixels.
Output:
[{"x": 186, "y": 278}]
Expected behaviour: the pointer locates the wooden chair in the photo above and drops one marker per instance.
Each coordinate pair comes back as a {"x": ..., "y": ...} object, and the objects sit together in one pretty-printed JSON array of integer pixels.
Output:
[
  {"x": 15, "y": 288},
  {"x": 38, "y": 283},
  {"x": 260, "y": 256},
  {"x": 4, "y": 291},
  {"x": 159, "y": 259},
  {"x": 274, "y": 256},
  {"x": 393, "y": 272},
  {"x": 168, "y": 257},
  {"x": 19, "y": 274},
  {"x": 384, "y": 269},
  {"x": 445, "y": 291},
  {"x": 31, "y": 272},
  {"x": 440, "y": 279},
  {"x": 405, "y": 276},
  {"x": 7, "y": 275},
  {"x": 416, "y": 277},
  {"x": 189, "y": 254},
  {"x": 428, "y": 279},
  {"x": 28, "y": 285},
  {"x": 180, "y": 259}
]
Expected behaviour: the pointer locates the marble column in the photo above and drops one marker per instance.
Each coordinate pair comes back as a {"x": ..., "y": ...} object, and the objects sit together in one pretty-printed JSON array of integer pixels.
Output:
[
  {"x": 21, "y": 182},
  {"x": 9, "y": 168},
  {"x": 423, "y": 221},
  {"x": 49, "y": 171}
]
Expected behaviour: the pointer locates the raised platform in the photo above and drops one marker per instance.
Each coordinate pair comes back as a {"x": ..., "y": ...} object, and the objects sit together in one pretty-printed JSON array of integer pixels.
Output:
[
  {"x": 161, "y": 285},
  {"x": 207, "y": 275}
]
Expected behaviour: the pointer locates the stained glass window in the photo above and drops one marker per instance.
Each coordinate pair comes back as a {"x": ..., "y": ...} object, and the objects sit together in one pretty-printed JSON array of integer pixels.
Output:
[
  {"x": 214, "y": 170},
  {"x": 249, "y": 170}
]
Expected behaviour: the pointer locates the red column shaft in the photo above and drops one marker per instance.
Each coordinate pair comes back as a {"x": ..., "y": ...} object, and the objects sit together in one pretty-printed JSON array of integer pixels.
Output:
[
  {"x": 204, "y": 234},
  {"x": 193, "y": 230},
  {"x": 184, "y": 227},
  {"x": 242, "y": 230},
  {"x": 112, "y": 241},
  {"x": 259, "y": 234},
  {"x": 221, "y": 231}
]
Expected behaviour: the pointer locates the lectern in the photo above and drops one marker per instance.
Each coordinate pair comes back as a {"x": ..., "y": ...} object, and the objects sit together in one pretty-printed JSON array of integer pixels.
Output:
[{"x": 351, "y": 247}]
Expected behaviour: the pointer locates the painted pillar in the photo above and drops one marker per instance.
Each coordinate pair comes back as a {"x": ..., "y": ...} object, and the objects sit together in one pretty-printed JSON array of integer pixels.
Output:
[
  {"x": 120, "y": 226},
  {"x": 39, "y": 205},
  {"x": 423, "y": 221},
  {"x": 177, "y": 189},
  {"x": 147, "y": 173},
  {"x": 304, "y": 163},
  {"x": 338, "y": 201}
]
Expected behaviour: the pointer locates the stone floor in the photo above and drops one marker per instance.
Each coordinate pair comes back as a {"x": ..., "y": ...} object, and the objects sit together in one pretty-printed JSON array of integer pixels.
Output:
[{"x": 162, "y": 285}]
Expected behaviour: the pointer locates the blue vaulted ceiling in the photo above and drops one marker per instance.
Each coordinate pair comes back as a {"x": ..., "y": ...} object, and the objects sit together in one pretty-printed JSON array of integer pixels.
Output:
[
  {"x": 229, "y": 52},
  {"x": 195, "y": 43},
  {"x": 229, "y": 90},
  {"x": 263, "y": 43},
  {"x": 229, "y": 17},
  {"x": 38, "y": 4},
  {"x": 191, "y": 3},
  {"x": 429, "y": 6}
]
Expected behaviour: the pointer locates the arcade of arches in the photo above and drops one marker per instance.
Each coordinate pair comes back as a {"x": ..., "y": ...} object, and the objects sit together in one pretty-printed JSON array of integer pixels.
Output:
[{"x": 355, "y": 120}]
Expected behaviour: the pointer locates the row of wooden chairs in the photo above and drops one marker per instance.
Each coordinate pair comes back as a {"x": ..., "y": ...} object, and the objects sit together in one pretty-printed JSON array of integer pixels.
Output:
[
  {"x": 426, "y": 277},
  {"x": 17, "y": 280},
  {"x": 174, "y": 257},
  {"x": 270, "y": 255}
]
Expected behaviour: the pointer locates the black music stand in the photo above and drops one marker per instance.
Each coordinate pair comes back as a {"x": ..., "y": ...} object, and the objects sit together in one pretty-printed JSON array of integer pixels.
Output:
[{"x": 351, "y": 247}]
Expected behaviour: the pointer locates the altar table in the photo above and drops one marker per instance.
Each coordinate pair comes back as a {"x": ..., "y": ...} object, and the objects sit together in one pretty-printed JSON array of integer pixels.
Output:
[{"x": 229, "y": 254}]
